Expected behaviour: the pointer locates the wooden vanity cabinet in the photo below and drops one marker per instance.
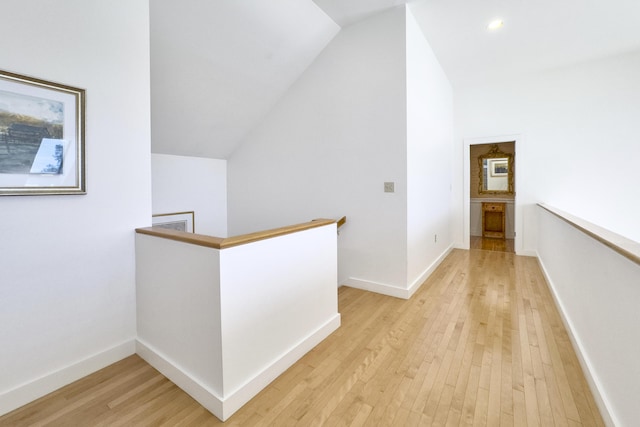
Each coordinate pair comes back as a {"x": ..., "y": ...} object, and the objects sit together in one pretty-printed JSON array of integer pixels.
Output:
[{"x": 493, "y": 220}]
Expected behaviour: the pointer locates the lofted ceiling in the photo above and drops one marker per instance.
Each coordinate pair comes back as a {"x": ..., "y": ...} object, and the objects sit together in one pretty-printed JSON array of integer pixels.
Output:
[
  {"x": 346, "y": 12},
  {"x": 218, "y": 67},
  {"x": 537, "y": 34}
]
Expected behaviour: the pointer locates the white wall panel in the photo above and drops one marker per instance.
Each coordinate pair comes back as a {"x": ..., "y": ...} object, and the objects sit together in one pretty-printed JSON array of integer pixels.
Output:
[
  {"x": 598, "y": 292},
  {"x": 67, "y": 287},
  {"x": 429, "y": 154}
]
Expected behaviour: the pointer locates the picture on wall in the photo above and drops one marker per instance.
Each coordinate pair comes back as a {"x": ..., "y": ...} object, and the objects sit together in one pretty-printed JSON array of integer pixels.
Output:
[
  {"x": 499, "y": 168},
  {"x": 41, "y": 137},
  {"x": 179, "y": 221}
]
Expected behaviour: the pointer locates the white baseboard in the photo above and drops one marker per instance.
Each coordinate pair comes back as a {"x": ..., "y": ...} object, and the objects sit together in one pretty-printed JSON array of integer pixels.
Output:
[
  {"x": 395, "y": 291},
  {"x": 426, "y": 273},
  {"x": 527, "y": 253},
  {"x": 28, "y": 392},
  {"x": 221, "y": 407},
  {"x": 192, "y": 386},
  {"x": 379, "y": 288},
  {"x": 238, "y": 398},
  {"x": 594, "y": 384}
]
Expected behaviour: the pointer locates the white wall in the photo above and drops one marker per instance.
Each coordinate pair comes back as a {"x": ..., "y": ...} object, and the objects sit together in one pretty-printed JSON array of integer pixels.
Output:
[
  {"x": 222, "y": 331},
  {"x": 327, "y": 148},
  {"x": 598, "y": 293},
  {"x": 178, "y": 308},
  {"x": 297, "y": 275},
  {"x": 67, "y": 287},
  {"x": 571, "y": 119},
  {"x": 429, "y": 155},
  {"x": 196, "y": 184}
]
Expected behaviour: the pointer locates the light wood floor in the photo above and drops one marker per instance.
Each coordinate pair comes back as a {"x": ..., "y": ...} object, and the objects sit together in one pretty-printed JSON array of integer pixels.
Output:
[
  {"x": 488, "y": 244},
  {"x": 480, "y": 344}
]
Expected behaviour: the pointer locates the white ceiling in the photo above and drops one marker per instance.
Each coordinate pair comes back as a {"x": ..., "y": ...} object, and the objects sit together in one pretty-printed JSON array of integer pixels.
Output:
[
  {"x": 346, "y": 12},
  {"x": 219, "y": 66},
  {"x": 537, "y": 34}
]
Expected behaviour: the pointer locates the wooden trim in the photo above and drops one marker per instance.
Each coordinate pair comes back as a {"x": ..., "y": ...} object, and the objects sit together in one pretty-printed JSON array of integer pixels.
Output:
[
  {"x": 182, "y": 236},
  {"x": 624, "y": 246},
  {"x": 341, "y": 221},
  {"x": 223, "y": 243},
  {"x": 492, "y": 200}
]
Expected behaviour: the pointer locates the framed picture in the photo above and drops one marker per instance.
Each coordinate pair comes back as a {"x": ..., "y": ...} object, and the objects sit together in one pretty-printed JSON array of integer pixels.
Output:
[
  {"x": 41, "y": 137},
  {"x": 499, "y": 168},
  {"x": 180, "y": 221}
]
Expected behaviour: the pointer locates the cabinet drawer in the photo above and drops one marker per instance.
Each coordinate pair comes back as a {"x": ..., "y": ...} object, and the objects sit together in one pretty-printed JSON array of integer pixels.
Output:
[
  {"x": 497, "y": 207},
  {"x": 493, "y": 219}
]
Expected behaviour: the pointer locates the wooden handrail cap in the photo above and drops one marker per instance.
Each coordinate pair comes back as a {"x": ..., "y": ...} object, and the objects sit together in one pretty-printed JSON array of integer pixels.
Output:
[{"x": 228, "y": 242}]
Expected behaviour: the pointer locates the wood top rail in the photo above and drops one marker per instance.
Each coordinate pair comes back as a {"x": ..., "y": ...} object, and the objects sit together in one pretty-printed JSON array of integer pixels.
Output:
[
  {"x": 624, "y": 246},
  {"x": 243, "y": 239}
]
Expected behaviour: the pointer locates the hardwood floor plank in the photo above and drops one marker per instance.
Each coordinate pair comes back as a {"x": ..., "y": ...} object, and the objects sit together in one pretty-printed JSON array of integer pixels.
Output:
[
  {"x": 480, "y": 343},
  {"x": 469, "y": 406},
  {"x": 492, "y": 244},
  {"x": 519, "y": 408}
]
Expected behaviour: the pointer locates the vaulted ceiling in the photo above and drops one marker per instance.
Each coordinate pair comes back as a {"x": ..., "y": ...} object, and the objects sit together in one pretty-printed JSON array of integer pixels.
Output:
[
  {"x": 218, "y": 67},
  {"x": 537, "y": 34}
]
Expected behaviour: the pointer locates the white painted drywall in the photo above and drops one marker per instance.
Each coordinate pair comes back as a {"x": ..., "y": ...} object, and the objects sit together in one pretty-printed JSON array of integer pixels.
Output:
[
  {"x": 178, "y": 306},
  {"x": 218, "y": 67},
  {"x": 598, "y": 291},
  {"x": 67, "y": 281},
  {"x": 181, "y": 183},
  {"x": 288, "y": 293},
  {"x": 327, "y": 148},
  {"x": 573, "y": 120},
  {"x": 222, "y": 331},
  {"x": 429, "y": 154}
]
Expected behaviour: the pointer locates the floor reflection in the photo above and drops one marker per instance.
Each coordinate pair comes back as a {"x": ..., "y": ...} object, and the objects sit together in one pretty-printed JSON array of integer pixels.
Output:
[{"x": 488, "y": 244}]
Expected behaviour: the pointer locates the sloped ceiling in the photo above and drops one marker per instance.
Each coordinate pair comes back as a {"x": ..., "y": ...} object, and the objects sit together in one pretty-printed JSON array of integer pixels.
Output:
[
  {"x": 346, "y": 12},
  {"x": 218, "y": 67},
  {"x": 536, "y": 35}
]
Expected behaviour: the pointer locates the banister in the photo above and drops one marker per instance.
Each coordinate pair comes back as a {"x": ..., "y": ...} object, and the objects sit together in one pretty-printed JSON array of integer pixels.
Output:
[
  {"x": 341, "y": 221},
  {"x": 624, "y": 246},
  {"x": 227, "y": 242}
]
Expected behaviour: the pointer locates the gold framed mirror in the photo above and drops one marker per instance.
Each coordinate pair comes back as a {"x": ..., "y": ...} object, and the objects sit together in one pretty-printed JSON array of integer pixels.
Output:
[{"x": 496, "y": 172}]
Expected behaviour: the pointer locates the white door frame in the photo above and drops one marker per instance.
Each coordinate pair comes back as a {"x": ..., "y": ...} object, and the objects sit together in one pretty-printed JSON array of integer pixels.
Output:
[{"x": 468, "y": 142}]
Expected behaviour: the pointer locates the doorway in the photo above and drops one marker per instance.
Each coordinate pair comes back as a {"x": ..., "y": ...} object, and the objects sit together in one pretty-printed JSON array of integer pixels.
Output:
[
  {"x": 492, "y": 196},
  {"x": 506, "y": 198}
]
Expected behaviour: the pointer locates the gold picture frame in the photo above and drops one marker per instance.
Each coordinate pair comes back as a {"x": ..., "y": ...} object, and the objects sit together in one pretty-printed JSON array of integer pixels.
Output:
[
  {"x": 42, "y": 144},
  {"x": 488, "y": 170},
  {"x": 179, "y": 221},
  {"x": 499, "y": 168}
]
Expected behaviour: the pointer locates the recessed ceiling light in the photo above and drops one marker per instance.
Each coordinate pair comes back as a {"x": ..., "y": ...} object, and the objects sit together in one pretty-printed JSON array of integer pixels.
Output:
[{"x": 494, "y": 25}]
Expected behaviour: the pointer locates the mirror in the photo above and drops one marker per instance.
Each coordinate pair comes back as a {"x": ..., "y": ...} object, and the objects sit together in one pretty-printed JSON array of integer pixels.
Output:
[{"x": 496, "y": 172}]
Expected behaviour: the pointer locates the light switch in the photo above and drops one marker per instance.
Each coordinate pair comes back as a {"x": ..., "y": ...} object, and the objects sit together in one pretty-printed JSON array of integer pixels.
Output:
[{"x": 389, "y": 187}]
